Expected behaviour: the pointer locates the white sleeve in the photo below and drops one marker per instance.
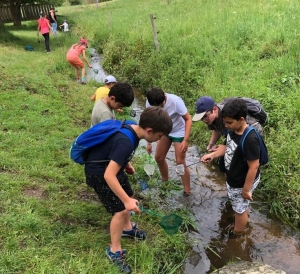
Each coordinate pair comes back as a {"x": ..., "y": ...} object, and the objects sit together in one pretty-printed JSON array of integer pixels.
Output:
[{"x": 181, "y": 108}]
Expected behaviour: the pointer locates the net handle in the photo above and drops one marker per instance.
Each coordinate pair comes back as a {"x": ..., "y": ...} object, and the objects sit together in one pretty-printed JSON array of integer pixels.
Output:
[{"x": 150, "y": 211}]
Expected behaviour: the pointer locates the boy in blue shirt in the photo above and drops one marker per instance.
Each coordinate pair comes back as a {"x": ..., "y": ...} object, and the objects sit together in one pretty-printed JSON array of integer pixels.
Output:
[
  {"x": 104, "y": 170},
  {"x": 242, "y": 167}
]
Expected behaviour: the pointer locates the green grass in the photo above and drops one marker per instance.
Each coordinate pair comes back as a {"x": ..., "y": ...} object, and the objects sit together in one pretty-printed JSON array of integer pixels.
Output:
[{"x": 51, "y": 221}]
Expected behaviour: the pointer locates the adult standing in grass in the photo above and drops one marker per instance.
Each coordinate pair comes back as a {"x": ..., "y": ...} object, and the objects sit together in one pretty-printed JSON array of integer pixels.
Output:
[
  {"x": 53, "y": 20},
  {"x": 182, "y": 123},
  {"x": 44, "y": 27},
  {"x": 104, "y": 171},
  {"x": 73, "y": 58},
  {"x": 242, "y": 166}
]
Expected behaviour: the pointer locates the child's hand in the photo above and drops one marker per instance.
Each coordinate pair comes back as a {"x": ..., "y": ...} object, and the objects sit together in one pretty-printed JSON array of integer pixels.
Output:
[
  {"x": 129, "y": 169},
  {"x": 211, "y": 147},
  {"x": 149, "y": 148},
  {"x": 207, "y": 158},
  {"x": 132, "y": 204},
  {"x": 90, "y": 66},
  {"x": 247, "y": 195}
]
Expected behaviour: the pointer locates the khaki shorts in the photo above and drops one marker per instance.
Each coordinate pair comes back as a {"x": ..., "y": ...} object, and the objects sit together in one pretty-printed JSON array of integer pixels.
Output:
[{"x": 75, "y": 62}]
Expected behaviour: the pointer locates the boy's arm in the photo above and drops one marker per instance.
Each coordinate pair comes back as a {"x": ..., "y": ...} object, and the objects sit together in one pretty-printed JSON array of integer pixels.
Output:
[
  {"x": 93, "y": 97},
  {"x": 188, "y": 125},
  {"x": 217, "y": 153},
  {"x": 110, "y": 177},
  {"x": 215, "y": 136},
  {"x": 252, "y": 171}
]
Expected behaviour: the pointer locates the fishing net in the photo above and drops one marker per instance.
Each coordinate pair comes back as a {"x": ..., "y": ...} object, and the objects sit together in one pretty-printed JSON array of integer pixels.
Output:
[{"x": 171, "y": 223}]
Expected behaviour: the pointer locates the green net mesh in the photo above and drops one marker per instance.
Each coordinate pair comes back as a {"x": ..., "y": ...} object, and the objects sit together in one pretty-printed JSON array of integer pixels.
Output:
[{"x": 171, "y": 223}]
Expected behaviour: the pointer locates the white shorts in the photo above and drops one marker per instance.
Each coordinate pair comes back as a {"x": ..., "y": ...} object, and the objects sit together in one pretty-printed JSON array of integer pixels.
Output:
[{"x": 239, "y": 204}]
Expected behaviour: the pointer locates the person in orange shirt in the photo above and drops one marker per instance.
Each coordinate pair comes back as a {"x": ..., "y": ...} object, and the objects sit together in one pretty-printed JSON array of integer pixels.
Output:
[
  {"x": 44, "y": 27},
  {"x": 103, "y": 91},
  {"x": 73, "y": 58}
]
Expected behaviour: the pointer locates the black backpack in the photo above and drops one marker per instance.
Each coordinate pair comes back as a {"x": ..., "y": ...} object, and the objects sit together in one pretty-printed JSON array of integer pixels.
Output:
[{"x": 254, "y": 107}]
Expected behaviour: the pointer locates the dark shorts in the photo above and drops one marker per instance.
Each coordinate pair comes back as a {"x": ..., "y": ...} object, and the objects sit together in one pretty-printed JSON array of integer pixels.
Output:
[
  {"x": 107, "y": 197},
  {"x": 175, "y": 139}
]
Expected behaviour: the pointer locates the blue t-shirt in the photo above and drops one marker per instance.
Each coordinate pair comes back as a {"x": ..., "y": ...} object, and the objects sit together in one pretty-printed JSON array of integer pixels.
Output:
[{"x": 118, "y": 148}]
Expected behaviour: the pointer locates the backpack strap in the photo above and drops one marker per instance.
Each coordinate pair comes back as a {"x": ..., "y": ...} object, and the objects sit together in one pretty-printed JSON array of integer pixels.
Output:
[
  {"x": 125, "y": 130},
  {"x": 245, "y": 134}
]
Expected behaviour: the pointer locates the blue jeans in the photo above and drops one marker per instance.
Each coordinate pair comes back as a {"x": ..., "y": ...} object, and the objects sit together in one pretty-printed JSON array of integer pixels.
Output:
[{"x": 54, "y": 28}]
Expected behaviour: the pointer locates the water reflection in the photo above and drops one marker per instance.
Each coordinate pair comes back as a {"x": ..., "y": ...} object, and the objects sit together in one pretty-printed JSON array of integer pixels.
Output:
[{"x": 267, "y": 241}]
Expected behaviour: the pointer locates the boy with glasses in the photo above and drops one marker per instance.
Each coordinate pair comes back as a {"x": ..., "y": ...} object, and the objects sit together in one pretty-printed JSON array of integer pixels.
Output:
[{"x": 209, "y": 112}]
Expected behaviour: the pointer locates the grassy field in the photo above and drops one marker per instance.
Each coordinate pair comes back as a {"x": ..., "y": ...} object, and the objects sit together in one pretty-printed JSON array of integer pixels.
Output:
[{"x": 51, "y": 221}]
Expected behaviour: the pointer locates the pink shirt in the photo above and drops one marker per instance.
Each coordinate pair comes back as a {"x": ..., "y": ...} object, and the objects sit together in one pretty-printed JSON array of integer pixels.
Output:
[
  {"x": 44, "y": 25},
  {"x": 75, "y": 51}
]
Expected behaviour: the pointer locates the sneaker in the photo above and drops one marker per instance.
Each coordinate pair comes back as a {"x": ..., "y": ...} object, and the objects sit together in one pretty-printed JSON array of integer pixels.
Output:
[
  {"x": 134, "y": 233},
  {"x": 118, "y": 259},
  {"x": 83, "y": 83}
]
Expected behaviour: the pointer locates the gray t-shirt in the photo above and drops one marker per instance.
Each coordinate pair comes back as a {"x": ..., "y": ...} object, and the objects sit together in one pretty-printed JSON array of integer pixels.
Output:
[{"x": 101, "y": 112}]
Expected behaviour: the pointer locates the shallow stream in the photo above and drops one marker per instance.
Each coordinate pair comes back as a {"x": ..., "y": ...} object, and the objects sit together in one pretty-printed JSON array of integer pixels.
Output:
[{"x": 268, "y": 241}]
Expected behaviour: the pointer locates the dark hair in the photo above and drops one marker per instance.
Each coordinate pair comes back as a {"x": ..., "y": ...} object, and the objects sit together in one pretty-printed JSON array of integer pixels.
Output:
[
  {"x": 156, "y": 118},
  {"x": 235, "y": 109},
  {"x": 155, "y": 96},
  {"x": 123, "y": 93}
]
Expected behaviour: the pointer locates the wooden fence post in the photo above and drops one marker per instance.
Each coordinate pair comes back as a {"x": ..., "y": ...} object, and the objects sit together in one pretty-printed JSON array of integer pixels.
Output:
[
  {"x": 154, "y": 32},
  {"x": 109, "y": 20}
]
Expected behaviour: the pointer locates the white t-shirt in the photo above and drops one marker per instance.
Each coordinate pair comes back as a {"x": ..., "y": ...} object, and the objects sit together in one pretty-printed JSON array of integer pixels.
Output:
[
  {"x": 176, "y": 109},
  {"x": 66, "y": 26}
]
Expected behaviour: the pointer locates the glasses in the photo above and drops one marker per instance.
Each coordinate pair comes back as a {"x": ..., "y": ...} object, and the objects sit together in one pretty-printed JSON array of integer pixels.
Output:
[{"x": 206, "y": 115}]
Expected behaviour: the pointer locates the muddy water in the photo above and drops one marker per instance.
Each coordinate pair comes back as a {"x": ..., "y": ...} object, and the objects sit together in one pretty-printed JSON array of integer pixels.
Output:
[{"x": 267, "y": 240}]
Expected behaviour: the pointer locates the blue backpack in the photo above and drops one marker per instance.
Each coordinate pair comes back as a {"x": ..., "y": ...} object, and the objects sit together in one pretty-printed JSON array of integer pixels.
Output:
[
  {"x": 97, "y": 135},
  {"x": 264, "y": 157}
]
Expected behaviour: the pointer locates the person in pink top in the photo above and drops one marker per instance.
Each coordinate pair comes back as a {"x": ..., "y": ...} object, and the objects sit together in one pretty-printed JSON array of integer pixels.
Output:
[
  {"x": 73, "y": 58},
  {"x": 44, "y": 27}
]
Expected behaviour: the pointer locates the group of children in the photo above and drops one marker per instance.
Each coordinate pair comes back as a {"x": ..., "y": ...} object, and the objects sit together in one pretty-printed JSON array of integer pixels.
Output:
[{"x": 166, "y": 120}]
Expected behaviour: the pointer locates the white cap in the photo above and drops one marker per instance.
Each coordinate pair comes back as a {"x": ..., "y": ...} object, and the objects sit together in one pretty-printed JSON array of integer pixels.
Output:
[{"x": 110, "y": 79}]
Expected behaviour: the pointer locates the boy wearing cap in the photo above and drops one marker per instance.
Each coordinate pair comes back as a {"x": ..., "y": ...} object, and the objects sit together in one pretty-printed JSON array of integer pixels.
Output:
[
  {"x": 120, "y": 95},
  {"x": 103, "y": 91},
  {"x": 73, "y": 58},
  {"x": 179, "y": 135},
  {"x": 209, "y": 112}
]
